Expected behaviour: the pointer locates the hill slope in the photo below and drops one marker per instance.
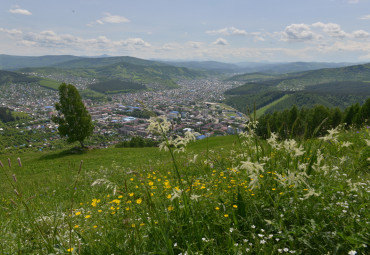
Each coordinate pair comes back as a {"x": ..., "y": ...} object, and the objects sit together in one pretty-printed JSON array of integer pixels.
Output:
[
  {"x": 331, "y": 87},
  {"x": 153, "y": 74}
]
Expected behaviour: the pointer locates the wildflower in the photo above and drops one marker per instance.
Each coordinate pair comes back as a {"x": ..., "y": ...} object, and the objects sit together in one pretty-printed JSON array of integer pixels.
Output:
[
  {"x": 77, "y": 213},
  {"x": 76, "y": 226},
  {"x": 226, "y": 215},
  {"x": 262, "y": 242},
  {"x": 87, "y": 216},
  {"x": 170, "y": 208},
  {"x": 169, "y": 196},
  {"x": 95, "y": 226},
  {"x": 235, "y": 206},
  {"x": 70, "y": 249},
  {"x": 131, "y": 194},
  {"x": 217, "y": 208},
  {"x": 138, "y": 201},
  {"x": 133, "y": 225},
  {"x": 253, "y": 226},
  {"x": 194, "y": 197}
]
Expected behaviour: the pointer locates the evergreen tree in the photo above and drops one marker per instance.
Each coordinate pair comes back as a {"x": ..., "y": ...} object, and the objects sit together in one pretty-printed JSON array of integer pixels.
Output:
[{"x": 73, "y": 118}]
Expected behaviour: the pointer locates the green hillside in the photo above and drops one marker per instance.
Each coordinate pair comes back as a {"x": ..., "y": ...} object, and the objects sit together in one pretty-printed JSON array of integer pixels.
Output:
[
  {"x": 150, "y": 73},
  {"x": 7, "y": 77},
  {"x": 224, "y": 195},
  {"x": 334, "y": 87}
]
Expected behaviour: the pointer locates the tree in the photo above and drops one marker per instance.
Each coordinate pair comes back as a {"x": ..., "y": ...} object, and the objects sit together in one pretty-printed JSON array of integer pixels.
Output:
[{"x": 73, "y": 118}]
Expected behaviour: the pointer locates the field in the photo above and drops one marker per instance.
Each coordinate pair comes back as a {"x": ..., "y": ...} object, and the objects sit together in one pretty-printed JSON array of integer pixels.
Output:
[{"x": 223, "y": 195}]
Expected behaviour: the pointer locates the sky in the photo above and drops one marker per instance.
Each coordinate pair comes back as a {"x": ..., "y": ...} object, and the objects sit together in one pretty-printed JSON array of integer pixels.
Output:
[{"x": 219, "y": 30}]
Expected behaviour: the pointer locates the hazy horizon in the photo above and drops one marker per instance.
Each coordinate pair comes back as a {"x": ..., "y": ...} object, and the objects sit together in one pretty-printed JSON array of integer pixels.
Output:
[{"x": 224, "y": 31}]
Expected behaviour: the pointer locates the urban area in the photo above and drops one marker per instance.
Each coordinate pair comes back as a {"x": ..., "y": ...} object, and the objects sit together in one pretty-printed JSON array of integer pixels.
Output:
[{"x": 196, "y": 107}]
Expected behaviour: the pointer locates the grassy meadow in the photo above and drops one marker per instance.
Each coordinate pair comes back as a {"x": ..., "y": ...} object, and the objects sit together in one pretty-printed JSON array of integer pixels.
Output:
[{"x": 222, "y": 195}]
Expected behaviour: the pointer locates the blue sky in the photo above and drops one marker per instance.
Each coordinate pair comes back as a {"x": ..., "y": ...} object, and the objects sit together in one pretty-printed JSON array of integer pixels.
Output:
[{"x": 222, "y": 30}]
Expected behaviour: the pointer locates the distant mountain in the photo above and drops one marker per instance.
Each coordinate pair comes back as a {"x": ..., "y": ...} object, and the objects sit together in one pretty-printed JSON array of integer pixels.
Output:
[
  {"x": 330, "y": 87},
  {"x": 8, "y": 62},
  {"x": 283, "y": 68},
  {"x": 105, "y": 61},
  {"x": 207, "y": 66},
  {"x": 151, "y": 73}
]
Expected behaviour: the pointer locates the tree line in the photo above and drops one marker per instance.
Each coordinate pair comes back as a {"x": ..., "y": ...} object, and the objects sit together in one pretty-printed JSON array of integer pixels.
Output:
[{"x": 306, "y": 123}]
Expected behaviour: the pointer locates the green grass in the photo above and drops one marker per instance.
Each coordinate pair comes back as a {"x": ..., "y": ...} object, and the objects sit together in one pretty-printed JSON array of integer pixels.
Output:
[
  {"x": 224, "y": 195},
  {"x": 49, "y": 83},
  {"x": 262, "y": 110}
]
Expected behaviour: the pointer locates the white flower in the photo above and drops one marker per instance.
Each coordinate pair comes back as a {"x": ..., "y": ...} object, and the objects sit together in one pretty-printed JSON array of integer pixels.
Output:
[
  {"x": 194, "y": 197},
  {"x": 262, "y": 241},
  {"x": 352, "y": 252},
  {"x": 346, "y": 144},
  {"x": 253, "y": 226}
]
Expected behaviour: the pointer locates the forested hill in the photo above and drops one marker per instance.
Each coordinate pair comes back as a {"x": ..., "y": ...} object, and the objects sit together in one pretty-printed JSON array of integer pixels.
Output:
[
  {"x": 331, "y": 87},
  {"x": 122, "y": 68},
  {"x": 7, "y": 77}
]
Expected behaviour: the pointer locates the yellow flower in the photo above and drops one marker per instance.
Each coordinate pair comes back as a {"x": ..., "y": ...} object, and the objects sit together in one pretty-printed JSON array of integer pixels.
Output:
[
  {"x": 133, "y": 225},
  {"x": 99, "y": 210},
  {"x": 151, "y": 183},
  {"x": 116, "y": 201},
  {"x": 120, "y": 196},
  {"x": 77, "y": 213},
  {"x": 273, "y": 189},
  {"x": 76, "y": 226},
  {"x": 87, "y": 216},
  {"x": 226, "y": 215},
  {"x": 170, "y": 208},
  {"x": 113, "y": 212},
  {"x": 127, "y": 208},
  {"x": 142, "y": 224},
  {"x": 138, "y": 201},
  {"x": 95, "y": 226},
  {"x": 217, "y": 208},
  {"x": 169, "y": 196},
  {"x": 235, "y": 206},
  {"x": 131, "y": 194},
  {"x": 70, "y": 249}
]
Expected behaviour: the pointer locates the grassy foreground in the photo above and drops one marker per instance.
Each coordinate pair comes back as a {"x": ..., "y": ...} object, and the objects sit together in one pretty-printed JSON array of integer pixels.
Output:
[{"x": 225, "y": 195}]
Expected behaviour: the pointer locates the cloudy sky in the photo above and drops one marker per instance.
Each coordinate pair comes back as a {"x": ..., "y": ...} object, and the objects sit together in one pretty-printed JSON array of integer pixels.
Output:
[{"x": 222, "y": 30}]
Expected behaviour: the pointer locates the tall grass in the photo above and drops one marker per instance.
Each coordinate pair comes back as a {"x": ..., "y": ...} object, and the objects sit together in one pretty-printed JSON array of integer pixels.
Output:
[{"x": 252, "y": 197}]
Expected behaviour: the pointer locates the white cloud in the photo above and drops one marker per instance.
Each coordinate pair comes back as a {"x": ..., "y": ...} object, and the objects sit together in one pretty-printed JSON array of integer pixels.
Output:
[
  {"x": 366, "y": 17},
  {"x": 195, "y": 45},
  {"x": 109, "y": 18},
  {"x": 298, "y": 32},
  {"x": 228, "y": 31},
  {"x": 52, "y": 40},
  {"x": 220, "y": 41},
  {"x": 360, "y": 34},
  {"x": 20, "y": 11},
  {"x": 332, "y": 29}
]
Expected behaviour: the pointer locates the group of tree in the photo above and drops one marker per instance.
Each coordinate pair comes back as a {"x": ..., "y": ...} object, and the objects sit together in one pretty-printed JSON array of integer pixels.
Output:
[
  {"x": 6, "y": 114},
  {"x": 137, "y": 141},
  {"x": 307, "y": 123}
]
